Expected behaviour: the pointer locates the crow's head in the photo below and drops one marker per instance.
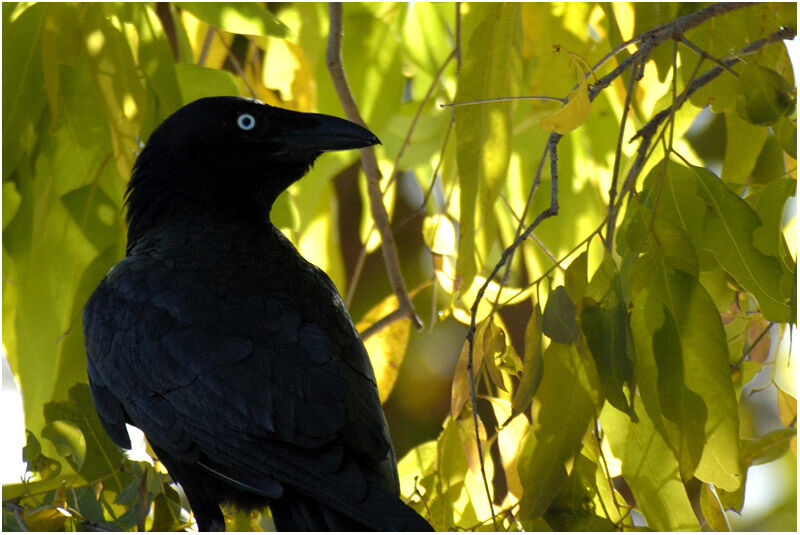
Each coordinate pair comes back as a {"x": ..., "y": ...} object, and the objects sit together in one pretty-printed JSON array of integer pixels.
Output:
[{"x": 223, "y": 154}]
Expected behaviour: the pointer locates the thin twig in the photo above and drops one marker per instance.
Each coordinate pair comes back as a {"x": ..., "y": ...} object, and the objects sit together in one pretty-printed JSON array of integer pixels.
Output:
[
  {"x": 652, "y": 38},
  {"x": 705, "y": 55},
  {"x": 502, "y": 99},
  {"x": 206, "y": 45},
  {"x": 612, "y": 191},
  {"x": 369, "y": 164},
  {"x": 237, "y": 66}
]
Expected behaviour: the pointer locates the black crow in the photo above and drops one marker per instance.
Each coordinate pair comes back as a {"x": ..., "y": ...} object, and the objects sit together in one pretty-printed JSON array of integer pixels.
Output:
[{"x": 232, "y": 353}]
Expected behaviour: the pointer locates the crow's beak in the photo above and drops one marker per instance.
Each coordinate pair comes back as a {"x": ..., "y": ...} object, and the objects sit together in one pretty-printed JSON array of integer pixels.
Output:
[{"x": 315, "y": 132}]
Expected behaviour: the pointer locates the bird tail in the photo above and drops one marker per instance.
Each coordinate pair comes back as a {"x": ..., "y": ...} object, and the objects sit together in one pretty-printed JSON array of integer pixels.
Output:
[{"x": 295, "y": 511}]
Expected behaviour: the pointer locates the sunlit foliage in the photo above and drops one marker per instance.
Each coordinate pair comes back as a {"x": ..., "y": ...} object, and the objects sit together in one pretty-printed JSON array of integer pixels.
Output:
[{"x": 598, "y": 374}]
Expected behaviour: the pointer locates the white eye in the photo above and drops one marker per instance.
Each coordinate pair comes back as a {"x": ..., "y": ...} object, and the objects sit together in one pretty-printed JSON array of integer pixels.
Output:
[{"x": 246, "y": 121}]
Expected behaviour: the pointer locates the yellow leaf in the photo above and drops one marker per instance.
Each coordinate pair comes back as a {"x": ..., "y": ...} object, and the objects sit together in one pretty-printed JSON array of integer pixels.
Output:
[
  {"x": 572, "y": 115},
  {"x": 387, "y": 347},
  {"x": 439, "y": 235}
]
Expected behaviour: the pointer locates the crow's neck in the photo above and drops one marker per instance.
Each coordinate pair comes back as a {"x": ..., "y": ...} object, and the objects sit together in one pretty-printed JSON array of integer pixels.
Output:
[{"x": 192, "y": 210}]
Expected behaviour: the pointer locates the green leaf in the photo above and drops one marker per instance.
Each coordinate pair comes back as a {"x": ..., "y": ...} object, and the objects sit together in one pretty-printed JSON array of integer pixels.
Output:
[
  {"x": 678, "y": 413},
  {"x": 533, "y": 366},
  {"x": 712, "y": 510},
  {"x": 243, "y": 18},
  {"x": 116, "y": 78},
  {"x": 743, "y": 144},
  {"x": 729, "y": 234},
  {"x": 725, "y": 35},
  {"x": 56, "y": 267},
  {"x": 37, "y": 463},
  {"x": 483, "y": 131},
  {"x": 416, "y": 464},
  {"x": 197, "y": 82},
  {"x": 154, "y": 58},
  {"x": 705, "y": 361},
  {"x": 575, "y": 278},
  {"x": 763, "y": 95},
  {"x": 768, "y": 447},
  {"x": 674, "y": 188},
  {"x": 11, "y": 202},
  {"x": 78, "y": 418},
  {"x": 68, "y": 440},
  {"x": 769, "y": 204},
  {"x": 786, "y": 131},
  {"x": 23, "y": 85},
  {"x": 651, "y": 471},
  {"x": 387, "y": 347},
  {"x": 563, "y": 410},
  {"x": 439, "y": 235},
  {"x": 558, "y": 320},
  {"x": 573, "y": 509},
  {"x": 605, "y": 326}
]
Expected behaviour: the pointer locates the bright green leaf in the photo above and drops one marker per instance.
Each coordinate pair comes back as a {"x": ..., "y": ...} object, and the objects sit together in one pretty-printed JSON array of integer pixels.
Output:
[
  {"x": 677, "y": 413},
  {"x": 651, "y": 471},
  {"x": 197, "y": 82},
  {"x": 243, "y": 18},
  {"x": 483, "y": 131},
  {"x": 729, "y": 229},
  {"x": 705, "y": 361},
  {"x": 743, "y": 144}
]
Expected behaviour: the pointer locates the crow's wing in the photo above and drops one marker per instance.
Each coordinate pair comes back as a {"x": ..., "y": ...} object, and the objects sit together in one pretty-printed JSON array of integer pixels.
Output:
[{"x": 242, "y": 383}]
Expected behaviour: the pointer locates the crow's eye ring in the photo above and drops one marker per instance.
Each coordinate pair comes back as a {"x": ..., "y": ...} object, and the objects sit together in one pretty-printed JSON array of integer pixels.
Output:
[{"x": 246, "y": 121}]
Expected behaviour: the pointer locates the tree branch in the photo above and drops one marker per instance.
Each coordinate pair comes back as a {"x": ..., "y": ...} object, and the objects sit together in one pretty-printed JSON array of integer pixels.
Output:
[{"x": 369, "y": 164}]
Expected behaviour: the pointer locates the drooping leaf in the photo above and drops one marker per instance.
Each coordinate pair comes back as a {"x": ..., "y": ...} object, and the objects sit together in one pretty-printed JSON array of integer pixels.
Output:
[
  {"x": 533, "y": 365},
  {"x": 605, "y": 326},
  {"x": 768, "y": 447},
  {"x": 743, "y": 144},
  {"x": 115, "y": 75},
  {"x": 729, "y": 233},
  {"x": 563, "y": 410},
  {"x": 677, "y": 413},
  {"x": 786, "y": 131},
  {"x": 483, "y": 131},
  {"x": 489, "y": 343},
  {"x": 704, "y": 358},
  {"x": 558, "y": 319},
  {"x": 37, "y": 463},
  {"x": 650, "y": 469},
  {"x": 572, "y": 114},
  {"x": 576, "y": 279},
  {"x": 712, "y": 510},
  {"x": 387, "y": 347},
  {"x": 439, "y": 235}
]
